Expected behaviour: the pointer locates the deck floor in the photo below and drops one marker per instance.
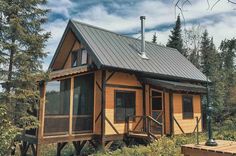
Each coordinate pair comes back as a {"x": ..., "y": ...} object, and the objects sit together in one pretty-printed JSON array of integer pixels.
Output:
[{"x": 224, "y": 148}]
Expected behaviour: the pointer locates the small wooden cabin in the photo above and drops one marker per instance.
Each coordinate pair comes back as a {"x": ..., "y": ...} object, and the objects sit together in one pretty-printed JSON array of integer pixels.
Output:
[{"x": 101, "y": 90}]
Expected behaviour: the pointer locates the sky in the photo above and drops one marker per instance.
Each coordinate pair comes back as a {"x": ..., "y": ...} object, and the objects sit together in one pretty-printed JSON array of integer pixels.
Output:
[{"x": 122, "y": 16}]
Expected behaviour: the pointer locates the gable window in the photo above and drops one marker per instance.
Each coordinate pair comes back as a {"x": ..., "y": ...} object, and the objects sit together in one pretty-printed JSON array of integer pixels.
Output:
[
  {"x": 124, "y": 105},
  {"x": 74, "y": 59},
  {"x": 84, "y": 57},
  {"x": 79, "y": 58},
  {"x": 187, "y": 106}
]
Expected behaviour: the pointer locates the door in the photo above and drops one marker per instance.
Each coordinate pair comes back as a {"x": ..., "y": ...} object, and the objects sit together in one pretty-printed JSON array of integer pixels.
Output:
[{"x": 156, "y": 111}]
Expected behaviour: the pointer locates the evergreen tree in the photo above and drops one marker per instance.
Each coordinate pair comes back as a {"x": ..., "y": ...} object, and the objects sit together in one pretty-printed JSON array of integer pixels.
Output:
[
  {"x": 175, "y": 39},
  {"x": 210, "y": 66},
  {"x": 154, "y": 38},
  {"x": 228, "y": 49},
  {"x": 22, "y": 40}
]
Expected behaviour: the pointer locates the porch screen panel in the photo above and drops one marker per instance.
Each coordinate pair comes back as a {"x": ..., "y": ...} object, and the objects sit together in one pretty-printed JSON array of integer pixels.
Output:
[
  {"x": 57, "y": 107},
  {"x": 83, "y": 103}
]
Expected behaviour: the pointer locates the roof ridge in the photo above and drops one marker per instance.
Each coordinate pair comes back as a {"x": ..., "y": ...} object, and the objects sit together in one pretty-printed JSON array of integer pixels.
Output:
[{"x": 130, "y": 37}]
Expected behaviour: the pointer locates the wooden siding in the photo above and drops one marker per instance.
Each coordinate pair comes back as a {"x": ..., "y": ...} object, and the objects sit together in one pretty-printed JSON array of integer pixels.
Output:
[
  {"x": 187, "y": 125},
  {"x": 65, "y": 49},
  {"x": 123, "y": 79},
  {"x": 76, "y": 46}
]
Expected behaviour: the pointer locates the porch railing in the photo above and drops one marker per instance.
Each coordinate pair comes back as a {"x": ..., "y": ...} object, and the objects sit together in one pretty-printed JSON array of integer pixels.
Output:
[{"x": 144, "y": 125}]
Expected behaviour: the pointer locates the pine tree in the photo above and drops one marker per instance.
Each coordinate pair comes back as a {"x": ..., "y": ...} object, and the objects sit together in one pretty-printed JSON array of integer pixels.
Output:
[
  {"x": 154, "y": 38},
  {"x": 175, "y": 39},
  {"x": 22, "y": 41}
]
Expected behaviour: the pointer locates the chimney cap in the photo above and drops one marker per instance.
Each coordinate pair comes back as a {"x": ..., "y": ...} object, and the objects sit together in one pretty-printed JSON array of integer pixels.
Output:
[{"x": 142, "y": 17}]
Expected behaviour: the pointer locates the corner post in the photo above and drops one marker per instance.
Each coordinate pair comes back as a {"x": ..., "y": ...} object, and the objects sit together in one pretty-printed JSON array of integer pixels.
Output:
[
  {"x": 103, "y": 106},
  {"x": 171, "y": 113},
  {"x": 71, "y": 104},
  {"x": 144, "y": 106}
]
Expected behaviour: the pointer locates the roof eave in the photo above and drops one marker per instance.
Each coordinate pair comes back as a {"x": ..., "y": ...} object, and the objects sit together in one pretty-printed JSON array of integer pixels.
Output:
[{"x": 153, "y": 75}]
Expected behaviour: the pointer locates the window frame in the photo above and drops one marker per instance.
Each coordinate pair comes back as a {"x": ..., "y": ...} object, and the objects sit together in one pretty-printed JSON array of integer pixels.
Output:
[
  {"x": 81, "y": 56},
  {"x": 76, "y": 52},
  {"x": 115, "y": 95},
  {"x": 183, "y": 112},
  {"x": 60, "y": 92}
]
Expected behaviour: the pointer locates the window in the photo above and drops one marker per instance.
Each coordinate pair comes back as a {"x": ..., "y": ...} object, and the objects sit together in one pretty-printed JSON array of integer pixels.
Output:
[
  {"x": 187, "y": 107},
  {"x": 74, "y": 59},
  {"x": 79, "y": 58},
  {"x": 84, "y": 57},
  {"x": 83, "y": 103},
  {"x": 57, "y": 108},
  {"x": 124, "y": 105},
  {"x": 58, "y": 97}
]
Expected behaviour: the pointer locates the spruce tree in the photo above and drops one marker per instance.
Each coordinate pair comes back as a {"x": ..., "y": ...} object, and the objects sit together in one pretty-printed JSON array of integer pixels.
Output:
[
  {"x": 175, "y": 39},
  {"x": 22, "y": 41},
  {"x": 228, "y": 49},
  {"x": 154, "y": 38}
]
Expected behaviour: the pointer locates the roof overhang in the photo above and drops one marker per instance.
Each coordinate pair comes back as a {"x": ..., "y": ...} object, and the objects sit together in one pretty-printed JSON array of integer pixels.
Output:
[
  {"x": 176, "y": 86},
  {"x": 68, "y": 72}
]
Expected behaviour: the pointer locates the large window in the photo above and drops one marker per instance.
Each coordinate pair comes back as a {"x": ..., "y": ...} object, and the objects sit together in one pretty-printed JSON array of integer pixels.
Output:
[
  {"x": 58, "y": 97},
  {"x": 83, "y": 103},
  {"x": 124, "y": 105},
  {"x": 57, "y": 107},
  {"x": 187, "y": 107}
]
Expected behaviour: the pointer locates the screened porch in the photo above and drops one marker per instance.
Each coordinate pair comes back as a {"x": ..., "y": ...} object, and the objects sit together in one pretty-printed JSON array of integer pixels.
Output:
[{"x": 69, "y": 106}]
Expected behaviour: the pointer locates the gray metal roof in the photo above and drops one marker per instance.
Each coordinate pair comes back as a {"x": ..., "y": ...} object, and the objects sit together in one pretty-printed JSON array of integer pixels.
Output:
[{"x": 119, "y": 51}]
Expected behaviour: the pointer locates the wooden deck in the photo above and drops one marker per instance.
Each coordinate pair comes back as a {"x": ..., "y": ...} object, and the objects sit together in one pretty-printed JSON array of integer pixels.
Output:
[{"x": 224, "y": 148}]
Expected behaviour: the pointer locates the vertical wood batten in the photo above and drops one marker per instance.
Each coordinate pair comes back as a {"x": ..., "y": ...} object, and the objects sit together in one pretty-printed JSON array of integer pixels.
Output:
[
  {"x": 94, "y": 100},
  {"x": 71, "y": 104},
  {"x": 171, "y": 113},
  {"x": 103, "y": 108},
  {"x": 42, "y": 111}
]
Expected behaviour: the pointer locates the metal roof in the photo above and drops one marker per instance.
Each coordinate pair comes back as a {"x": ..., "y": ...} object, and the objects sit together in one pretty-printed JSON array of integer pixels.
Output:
[
  {"x": 176, "y": 86},
  {"x": 119, "y": 51}
]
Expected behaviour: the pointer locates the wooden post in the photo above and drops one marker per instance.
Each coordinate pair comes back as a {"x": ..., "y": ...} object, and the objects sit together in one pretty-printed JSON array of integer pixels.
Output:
[
  {"x": 60, "y": 146},
  {"x": 79, "y": 145},
  {"x": 41, "y": 111},
  {"x": 41, "y": 114},
  {"x": 171, "y": 113},
  {"x": 103, "y": 108},
  {"x": 144, "y": 105},
  {"x": 164, "y": 113},
  {"x": 71, "y": 104}
]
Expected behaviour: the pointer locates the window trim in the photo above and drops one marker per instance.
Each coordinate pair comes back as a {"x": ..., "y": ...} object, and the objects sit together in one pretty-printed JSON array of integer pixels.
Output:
[
  {"x": 123, "y": 91},
  {"x": 184, "y": 116}
]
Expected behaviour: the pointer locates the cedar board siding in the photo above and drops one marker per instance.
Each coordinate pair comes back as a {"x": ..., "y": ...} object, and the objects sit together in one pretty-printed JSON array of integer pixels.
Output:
[
  {"x": 121, "y": 79},
  {"x": 65, "y": 49},
  {"x": 187, "y": 125},
  {"x": 76, "y": 46}
]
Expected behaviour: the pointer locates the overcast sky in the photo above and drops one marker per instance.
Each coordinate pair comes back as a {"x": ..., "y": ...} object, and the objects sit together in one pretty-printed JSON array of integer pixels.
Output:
[{"x": 122, "y": 16}]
